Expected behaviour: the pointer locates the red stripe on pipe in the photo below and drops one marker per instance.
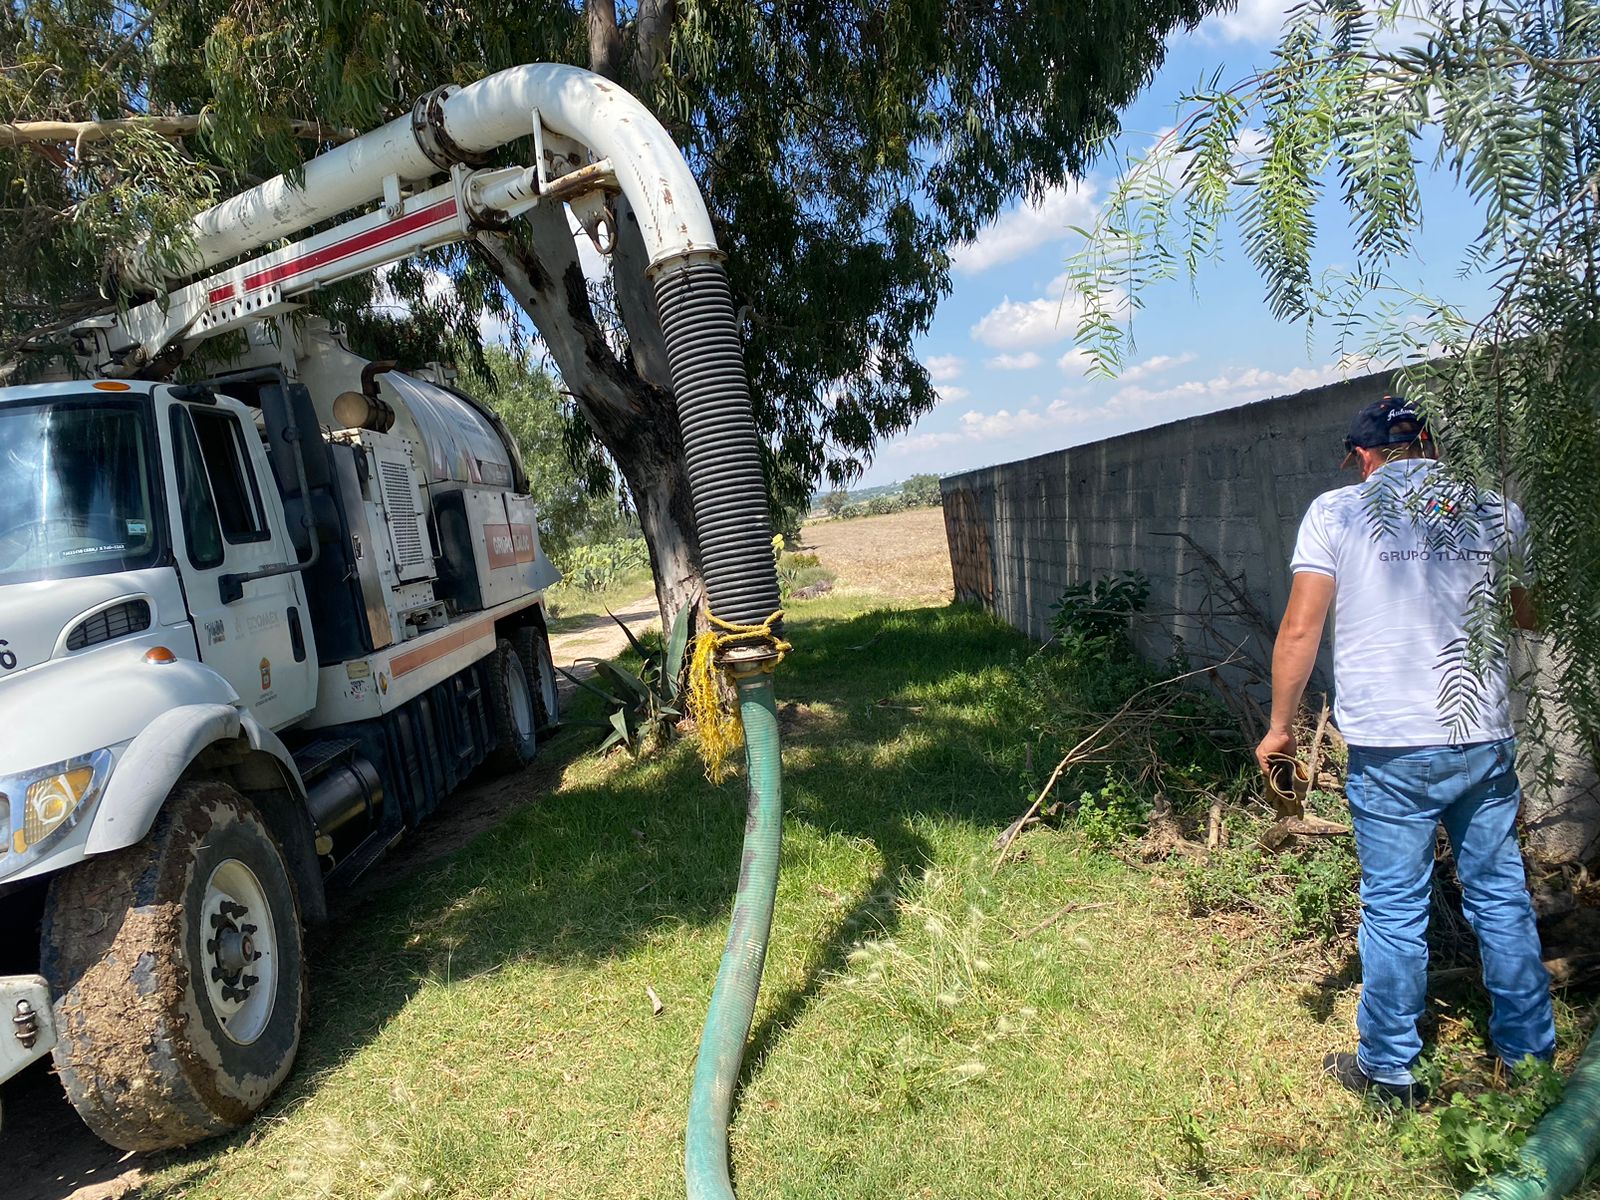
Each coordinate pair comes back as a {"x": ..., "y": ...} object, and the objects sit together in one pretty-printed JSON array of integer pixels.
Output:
[{"x": 444, "y": 210}]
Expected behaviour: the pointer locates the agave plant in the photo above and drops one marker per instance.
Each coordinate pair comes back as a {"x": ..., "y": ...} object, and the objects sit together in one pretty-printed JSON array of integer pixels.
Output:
[{"x": 644, "y": 704}]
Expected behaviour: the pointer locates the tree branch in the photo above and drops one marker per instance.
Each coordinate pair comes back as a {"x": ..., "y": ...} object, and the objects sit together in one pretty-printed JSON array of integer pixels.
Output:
[
  {"x": 31, "y": 133},
  {"x": 605, "y": 40},
  {"x": 653, "y": 32}
]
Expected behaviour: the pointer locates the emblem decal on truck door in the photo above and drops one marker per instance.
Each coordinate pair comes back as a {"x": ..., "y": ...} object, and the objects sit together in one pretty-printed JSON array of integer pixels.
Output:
[{"x": 266, "y": 673}]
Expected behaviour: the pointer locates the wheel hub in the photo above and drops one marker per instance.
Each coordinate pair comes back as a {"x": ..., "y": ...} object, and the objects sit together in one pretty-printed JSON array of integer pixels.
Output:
[
  {"x": 233, "y": 949},
  {"x": 240, "y": 964}
]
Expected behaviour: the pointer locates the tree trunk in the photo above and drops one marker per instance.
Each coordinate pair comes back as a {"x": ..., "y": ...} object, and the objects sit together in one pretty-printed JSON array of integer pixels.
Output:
[{"x": 632, "y": 414}]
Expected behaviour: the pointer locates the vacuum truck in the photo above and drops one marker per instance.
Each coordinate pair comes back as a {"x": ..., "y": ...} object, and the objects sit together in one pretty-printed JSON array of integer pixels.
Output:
[
  {"x": 255, "y": 628},
  {"x": 256, "y": 625}
]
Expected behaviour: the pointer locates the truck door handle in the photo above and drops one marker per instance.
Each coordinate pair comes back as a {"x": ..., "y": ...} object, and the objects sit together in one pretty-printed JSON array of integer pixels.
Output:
[{"x": 297, "y": 639}]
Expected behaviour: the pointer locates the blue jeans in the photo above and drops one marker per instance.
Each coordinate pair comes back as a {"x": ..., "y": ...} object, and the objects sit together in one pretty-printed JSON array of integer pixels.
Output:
[{"x": 1398, "y": 798}]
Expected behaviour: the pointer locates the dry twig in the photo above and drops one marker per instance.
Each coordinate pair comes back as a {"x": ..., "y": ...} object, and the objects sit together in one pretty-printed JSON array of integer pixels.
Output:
[
  {"x": 1087, "y": 746},
  {"x": 80, "y": 133},
  {"x": 1063, "y": 911},
  {"x": 1292, "y": 952}
]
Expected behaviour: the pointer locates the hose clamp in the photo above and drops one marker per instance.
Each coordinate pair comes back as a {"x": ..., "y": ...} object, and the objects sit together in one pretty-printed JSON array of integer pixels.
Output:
[
  {"x": 747, "y": 659},
  {"x": 427, "y": 126}
]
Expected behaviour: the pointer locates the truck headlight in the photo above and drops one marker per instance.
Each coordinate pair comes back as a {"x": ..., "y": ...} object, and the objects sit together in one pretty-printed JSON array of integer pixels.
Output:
[{"x": 40, "y": 806}]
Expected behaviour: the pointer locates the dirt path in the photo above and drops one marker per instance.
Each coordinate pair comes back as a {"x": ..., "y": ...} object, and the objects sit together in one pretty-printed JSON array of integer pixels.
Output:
[{"x": 599, "y": 637}]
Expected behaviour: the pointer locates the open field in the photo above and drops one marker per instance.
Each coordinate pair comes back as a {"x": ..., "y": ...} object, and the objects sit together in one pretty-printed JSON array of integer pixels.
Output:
[{"x": 902, "y": 556}]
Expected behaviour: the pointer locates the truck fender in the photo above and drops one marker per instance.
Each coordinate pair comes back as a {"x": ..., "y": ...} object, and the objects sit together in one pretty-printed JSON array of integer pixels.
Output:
[
  {"x": 169, "y": 748},
  {"x": 150, "y": 767}
]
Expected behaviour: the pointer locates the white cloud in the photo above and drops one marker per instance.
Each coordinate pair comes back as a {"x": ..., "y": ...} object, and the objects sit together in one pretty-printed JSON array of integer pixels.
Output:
[
  {"x": 1014, "y": 324},
  {"x": 1025, "y": 361},
  {"x": 942, "y": 368},
  {"x": 436, "y": 285},
  {"x": 984, "y": 427},
  {"x": 495, "y": 330},
  {"x": 1232, "y": 387},
  {"x": 1129, "y": 408},
  {"x": 1075, "y": 362},
  {"x": 1015, "y": 233},
  {"x": 1253, "y": 21},
  {"x": 949, "y": 393},
  {"x": 1020, "y": 324},
  {"x": 1156, "y": 365}
]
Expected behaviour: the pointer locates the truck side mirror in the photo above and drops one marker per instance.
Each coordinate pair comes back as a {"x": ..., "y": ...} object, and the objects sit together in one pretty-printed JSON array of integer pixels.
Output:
[{"x": 230, "y": 588}]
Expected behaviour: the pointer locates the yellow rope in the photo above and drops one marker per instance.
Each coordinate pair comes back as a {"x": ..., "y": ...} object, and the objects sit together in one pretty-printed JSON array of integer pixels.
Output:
[{"x": 716, "y": 722}]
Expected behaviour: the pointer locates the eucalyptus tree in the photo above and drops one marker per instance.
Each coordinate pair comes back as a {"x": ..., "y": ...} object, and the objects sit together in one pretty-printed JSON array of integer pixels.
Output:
[
  {"x": 1360, "y": 111},
  {"x": 843, "y": 147}
]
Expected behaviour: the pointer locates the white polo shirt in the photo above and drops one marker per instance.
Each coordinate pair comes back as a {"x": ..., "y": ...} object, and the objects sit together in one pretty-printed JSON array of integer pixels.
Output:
[{"x": 1409, "y": 551}]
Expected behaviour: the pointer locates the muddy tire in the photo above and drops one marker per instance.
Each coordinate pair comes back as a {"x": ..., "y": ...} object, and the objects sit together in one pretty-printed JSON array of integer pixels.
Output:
[
  {"x": 533, "y": 647},
  {"x": 177, "y": 975},
  {"x": 513, "y": 710}
]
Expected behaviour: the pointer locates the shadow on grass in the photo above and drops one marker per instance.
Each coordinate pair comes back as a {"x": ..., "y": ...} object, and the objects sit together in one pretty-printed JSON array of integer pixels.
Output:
[{"x": 585, "y": 873}]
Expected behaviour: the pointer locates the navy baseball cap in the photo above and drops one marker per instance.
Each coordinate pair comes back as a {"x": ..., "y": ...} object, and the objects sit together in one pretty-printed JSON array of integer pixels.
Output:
[{"x": 1392, "y": 421}]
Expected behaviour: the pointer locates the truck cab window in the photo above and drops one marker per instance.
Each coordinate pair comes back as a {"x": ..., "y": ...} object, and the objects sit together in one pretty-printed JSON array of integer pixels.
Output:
[
  {"x": 75, "y": 490},
  {"x": 200, "y": 529},
  {"x": 233, "y": 484}
]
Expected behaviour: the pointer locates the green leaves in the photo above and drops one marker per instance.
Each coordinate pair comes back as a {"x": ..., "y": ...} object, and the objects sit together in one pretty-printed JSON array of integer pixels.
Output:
[
  {"x": 645, "y": 705},
  {"x": 1503, "y": 95}
]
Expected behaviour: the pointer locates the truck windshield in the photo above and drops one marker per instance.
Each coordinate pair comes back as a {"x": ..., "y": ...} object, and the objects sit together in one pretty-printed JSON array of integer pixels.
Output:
[{"x": 77, "y": 489}]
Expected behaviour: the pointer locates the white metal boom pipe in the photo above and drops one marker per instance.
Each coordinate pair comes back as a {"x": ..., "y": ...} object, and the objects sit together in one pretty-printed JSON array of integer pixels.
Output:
[{"x": 481, "y": 117}]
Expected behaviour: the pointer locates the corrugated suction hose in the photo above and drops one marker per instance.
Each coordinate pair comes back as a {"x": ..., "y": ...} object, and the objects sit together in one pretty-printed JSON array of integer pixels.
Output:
[
  {"x": 1557, "y": 1154},
  {"x": 722, "y": 452},
  {"x": 728, "y": 489}
]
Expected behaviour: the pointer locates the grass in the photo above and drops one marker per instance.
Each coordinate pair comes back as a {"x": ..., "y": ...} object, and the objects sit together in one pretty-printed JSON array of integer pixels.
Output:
[{"x": 483, "y": 1029}]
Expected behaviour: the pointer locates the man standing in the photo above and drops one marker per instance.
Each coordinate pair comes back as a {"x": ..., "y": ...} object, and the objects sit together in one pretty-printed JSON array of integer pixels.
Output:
[{"x": 1409, "y": 559}]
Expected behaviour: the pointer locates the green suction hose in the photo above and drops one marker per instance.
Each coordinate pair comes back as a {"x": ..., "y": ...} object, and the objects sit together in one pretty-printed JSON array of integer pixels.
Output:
[
  {"x": 733, "y": 1002},
  {"x": 723, "y": 457},
  {"x": 1557, "y": 1154}
]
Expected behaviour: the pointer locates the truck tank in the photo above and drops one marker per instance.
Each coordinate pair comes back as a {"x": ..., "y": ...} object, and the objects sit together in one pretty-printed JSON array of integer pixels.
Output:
[{"x": 418, "y": 491}]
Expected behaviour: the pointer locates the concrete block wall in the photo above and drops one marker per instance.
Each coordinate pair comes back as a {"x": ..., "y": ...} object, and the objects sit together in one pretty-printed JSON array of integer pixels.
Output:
[{"x": 1236, "y": 483}]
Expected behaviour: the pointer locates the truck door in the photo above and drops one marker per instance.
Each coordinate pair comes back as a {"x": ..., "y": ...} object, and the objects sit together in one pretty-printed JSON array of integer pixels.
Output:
[{"x": 255, "y": 634}]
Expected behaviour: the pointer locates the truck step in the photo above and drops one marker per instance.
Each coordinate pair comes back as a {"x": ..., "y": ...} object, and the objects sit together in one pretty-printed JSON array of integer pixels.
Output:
[
  {"x": 316, "y": 757},
  {"x": 362, "y": 859}
]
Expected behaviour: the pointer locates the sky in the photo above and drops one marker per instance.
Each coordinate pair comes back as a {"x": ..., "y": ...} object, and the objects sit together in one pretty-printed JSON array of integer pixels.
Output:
[{"x": 1000, "y": 351}]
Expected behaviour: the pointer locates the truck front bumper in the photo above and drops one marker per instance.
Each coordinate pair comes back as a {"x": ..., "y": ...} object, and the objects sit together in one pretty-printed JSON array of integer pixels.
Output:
[{"x": 27, "y": 1027}]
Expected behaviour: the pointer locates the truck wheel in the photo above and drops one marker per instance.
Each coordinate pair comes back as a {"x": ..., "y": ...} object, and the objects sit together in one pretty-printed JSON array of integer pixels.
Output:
[
  {"x": 513, "y": 709},
  {"x": 177, "y": 973},
  {"x": 533, "y": 647}
]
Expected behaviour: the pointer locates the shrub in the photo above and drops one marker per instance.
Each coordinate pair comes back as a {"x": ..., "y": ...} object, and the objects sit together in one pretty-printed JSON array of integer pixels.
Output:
[
  {"x": 1114, "y": 813},
  {"x": 921, "y": 491},
  {"x": 1095, "y": 616},
  {"x": 596, "y": 567},
  {"x": 644, "y": 706},
  {"x": 835, "y": 502},
  {"x": 797, "y": 571},
  {"x": 1479, "y": 1136}
]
